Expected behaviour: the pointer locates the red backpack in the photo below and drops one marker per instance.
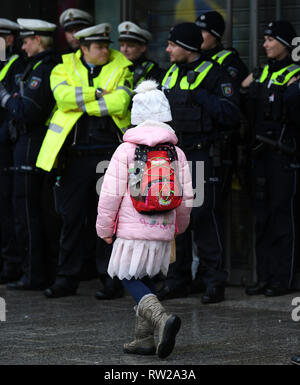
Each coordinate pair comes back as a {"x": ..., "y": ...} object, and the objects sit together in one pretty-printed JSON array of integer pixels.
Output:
[{"x": 153, "y": 182}]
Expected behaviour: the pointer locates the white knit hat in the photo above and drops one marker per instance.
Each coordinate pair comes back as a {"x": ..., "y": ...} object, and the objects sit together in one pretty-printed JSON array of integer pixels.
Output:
[{"x": 149, "y": 103}]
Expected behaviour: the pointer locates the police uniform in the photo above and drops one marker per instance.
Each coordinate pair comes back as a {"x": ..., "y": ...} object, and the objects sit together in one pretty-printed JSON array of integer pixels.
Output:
[
  {"x": 274, "y": 167},
  {"x": 8, "y": 27},
  {"x": 204, "y": 105},
  {"x": 83, "y": 132},
  {"x": 30, "y": 110},
  {"x": 228, "y": 58},
  {"x": 9, "y": 78},
  {"x": 142, "y": 68},
  {"x": 73, "y": 20}
]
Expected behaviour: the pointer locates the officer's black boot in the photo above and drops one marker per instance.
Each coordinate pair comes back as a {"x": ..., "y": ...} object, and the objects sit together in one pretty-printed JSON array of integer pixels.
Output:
[
  {"x": 295, "y": 359},
  {"x": 257, "y": 289},
  {"x": 213, "y": 294},
  {"x": 9, "y": 275},
  {"x": 62, "y": 287},
  {"x": 112, "y": 289},
  {"x": 169, "y": 291}
]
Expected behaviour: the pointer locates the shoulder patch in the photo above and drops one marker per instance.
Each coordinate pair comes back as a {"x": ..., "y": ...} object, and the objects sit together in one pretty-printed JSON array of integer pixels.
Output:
[
  {"x": 227, "y": 89},
  {"x": 35, "y": 82}
]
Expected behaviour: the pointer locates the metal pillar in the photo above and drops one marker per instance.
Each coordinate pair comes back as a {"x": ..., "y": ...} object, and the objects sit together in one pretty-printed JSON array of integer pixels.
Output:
[
  {"x": 278, "y": 9},
  {"x": 125, "y": 10},
  {"x": 228, "y": 35},
  {"x": 253, "y": 46}
]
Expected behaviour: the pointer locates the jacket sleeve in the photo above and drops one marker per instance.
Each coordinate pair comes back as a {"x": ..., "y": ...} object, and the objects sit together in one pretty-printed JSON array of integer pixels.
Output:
[
  {"x": 69, "y": 97},
  {"x": 113, "y": 189},
  {"x": 183, "y": 212},
  {"x": 115, "y": 103},
  {"x": 221, "y": 101},
  {"x": 36, "y": 103},
  {"x": 291, "y": 98}
]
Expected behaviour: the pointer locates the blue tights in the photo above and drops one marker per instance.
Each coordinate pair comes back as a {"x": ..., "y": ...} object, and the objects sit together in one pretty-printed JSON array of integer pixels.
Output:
[{"x": 138, "y": 288}]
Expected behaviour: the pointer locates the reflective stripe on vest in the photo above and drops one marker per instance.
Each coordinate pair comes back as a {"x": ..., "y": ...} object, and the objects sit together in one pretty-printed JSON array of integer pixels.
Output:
[
  {"x": 281, "y": 77},
  {"x": 221, "y": 56},
  {"x": 147, "y": 65},
  {"x": 36, "y": 65},
  {"x": 7, "y": 66},
  {"x": 170, "y": 79}
]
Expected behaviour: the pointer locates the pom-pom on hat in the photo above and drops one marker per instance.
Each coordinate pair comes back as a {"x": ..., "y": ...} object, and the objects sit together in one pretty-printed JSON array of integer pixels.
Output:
[{"x": 149, "y": 103}]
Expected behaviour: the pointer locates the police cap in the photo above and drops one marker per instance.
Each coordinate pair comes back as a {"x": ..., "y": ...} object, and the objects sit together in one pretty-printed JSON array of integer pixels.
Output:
[
  {"x": 31, "y": 27},
  {"x": 74, "y": 17},
  {"x": 132, "y": 32},
  {"x": 282, "y": 31},
  {"x": 100, "y": 32},
  {"x": 8, "y": 27},
  {"x": 187, "y": 35},
  {"x": 213, "y": 22}
]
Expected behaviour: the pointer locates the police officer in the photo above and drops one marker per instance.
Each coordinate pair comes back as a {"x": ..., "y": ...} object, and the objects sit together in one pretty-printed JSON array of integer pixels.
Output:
[
  {"x": 9, "y": 77},
  {"x": 30, "y": 109},
  {"x": 212, "y": 25},
  {"x": 274, "y": 132},
  {"x": 204, "y": 105},
  {"x": 133, "y": 44},
  {"x": 92, "y": 88},
  {"x": 72, "y": 21},
  {"x": 9, "y": 33}
]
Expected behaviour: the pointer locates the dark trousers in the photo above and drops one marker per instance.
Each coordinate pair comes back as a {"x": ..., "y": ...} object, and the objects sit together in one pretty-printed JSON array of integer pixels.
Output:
[
  {"x": 207, "y": 226},
  {"x": 28, "y": 185},
  {"x": 9, "y": 252},
  {"x": 275, "y": 188},
  {"x": 76, "y": 202}
]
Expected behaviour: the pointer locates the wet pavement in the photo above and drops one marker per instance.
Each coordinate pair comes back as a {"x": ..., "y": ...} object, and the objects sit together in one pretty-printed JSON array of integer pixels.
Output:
[{"x": 81, "y": 330}]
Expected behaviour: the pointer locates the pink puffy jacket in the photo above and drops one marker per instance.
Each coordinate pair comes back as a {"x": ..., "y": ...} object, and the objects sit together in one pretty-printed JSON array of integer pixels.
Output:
[{"x": 115, "y": 208}]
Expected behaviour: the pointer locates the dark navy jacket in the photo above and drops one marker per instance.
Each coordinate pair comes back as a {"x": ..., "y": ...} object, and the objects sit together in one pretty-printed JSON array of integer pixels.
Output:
[{"x": 32, "y": 108}]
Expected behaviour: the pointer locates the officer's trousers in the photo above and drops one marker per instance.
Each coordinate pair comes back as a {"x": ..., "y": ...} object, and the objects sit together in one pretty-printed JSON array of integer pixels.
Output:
[
  {"x": 9, "y": 252},
  {"x": 28, "y": 185},
  {"x": 275, "y": 177},
  {"x": 76, "y": 201},
  {"x": 207, "y": 227}
]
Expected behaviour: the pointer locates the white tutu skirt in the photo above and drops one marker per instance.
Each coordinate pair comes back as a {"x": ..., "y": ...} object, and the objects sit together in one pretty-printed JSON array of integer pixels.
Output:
[{"x": 138, "y": 258}]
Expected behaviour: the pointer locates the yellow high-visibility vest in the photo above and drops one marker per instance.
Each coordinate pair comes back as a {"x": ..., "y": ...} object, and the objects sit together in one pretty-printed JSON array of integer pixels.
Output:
[
  {"x": 219, "y": 57},
  {"x": 171, "y": 76},
  {"x": 7, "y": 66},
  {"x": 74, "y": 97},
  {"x": 281, "y": 77}
]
